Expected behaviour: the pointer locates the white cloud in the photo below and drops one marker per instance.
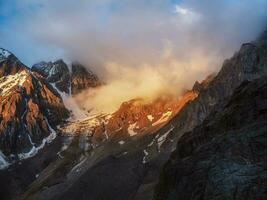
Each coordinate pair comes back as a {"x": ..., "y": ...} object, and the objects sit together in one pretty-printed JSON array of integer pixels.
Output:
[{"x": 181, "y": 10}]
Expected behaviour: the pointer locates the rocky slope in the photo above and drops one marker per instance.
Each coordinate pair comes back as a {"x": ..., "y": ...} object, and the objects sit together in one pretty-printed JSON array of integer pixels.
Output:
[
  {"x": 225, "y": 157},
  {"x": 30, "y": 109},
  {"x": 71, "y": 80}
]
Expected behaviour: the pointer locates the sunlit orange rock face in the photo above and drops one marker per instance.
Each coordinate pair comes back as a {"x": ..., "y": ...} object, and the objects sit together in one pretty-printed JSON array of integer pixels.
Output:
[
  {"x": 27, "y": 106},
  {"x": 138, "y": 116},
  {"x": 134, "y": 118}
]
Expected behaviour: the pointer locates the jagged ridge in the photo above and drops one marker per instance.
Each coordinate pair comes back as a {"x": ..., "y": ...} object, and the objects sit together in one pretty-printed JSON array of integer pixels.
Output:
[
  {"x": 29, "y": 109},
  {"x": 69, "y": 79},
  {"x": 223, "y": 157}
]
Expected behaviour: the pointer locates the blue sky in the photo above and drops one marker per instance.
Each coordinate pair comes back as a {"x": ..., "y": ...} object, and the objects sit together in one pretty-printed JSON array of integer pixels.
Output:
[
  {"x": 13, "y": 13},
  {"x": 12, "y": 36}
]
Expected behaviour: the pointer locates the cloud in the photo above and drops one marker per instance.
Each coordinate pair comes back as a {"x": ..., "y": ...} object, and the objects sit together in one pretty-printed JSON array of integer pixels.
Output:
[
  {"x": 131, "y": 44},
  {"x": 125, "y": 84},
  {"x": 181, "y": 10}
]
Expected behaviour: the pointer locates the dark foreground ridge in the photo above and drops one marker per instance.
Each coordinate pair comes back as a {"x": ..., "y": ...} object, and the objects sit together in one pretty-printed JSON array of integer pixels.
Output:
[{"x": 225, "y": 157}]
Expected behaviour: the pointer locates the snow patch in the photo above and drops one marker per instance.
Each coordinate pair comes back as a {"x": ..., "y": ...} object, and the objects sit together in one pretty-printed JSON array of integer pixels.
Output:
[
  {"x": 34, "y": 150},
  {"x": 106, "y": 133},
  {"x": 131, "y": 129},
  {"x": 150, "y": 144},
  {"x": 145, "y": 156},
  {"x": 3, "y": 163},
  {"x": 66, "y": 143},
  {"x": 11, "y": 81},
  {"x": 165, "y": 117},
  {"x": 77, "y": 167},
  {"x": 150, "y": 117},
  {"x": 121, "y": 142},
  {"x": 162, "y": 138}
]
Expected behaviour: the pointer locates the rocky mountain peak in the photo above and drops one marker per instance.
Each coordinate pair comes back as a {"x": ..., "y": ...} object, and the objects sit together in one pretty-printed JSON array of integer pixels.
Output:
[
  {"x": 4, "y": 54},
  {"x": 9, "y": 63},
  {"x": 29, "y": 110},
  {"x": 82, "y": 78},
  {"x": 42, "y": 68},
  {"x": 68, "y": 79},
  {"x": 57, "y": 73},
  {"x": 51, "y": 70}
]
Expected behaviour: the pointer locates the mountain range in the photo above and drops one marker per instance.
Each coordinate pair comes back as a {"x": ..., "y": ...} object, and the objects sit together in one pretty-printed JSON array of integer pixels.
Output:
[{"x": 210, "y": 143}]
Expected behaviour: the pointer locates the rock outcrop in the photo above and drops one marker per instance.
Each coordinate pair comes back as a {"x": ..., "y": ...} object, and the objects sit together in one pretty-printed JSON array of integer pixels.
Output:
[
  {"x": 82, "y": 78},
  {"x": 225, "y": 157},
  {"x": 56, "y": 73}
]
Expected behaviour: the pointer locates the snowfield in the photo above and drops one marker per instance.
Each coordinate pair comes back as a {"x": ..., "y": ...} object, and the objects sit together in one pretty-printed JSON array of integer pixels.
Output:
[{"x": 7, "y": 83}]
